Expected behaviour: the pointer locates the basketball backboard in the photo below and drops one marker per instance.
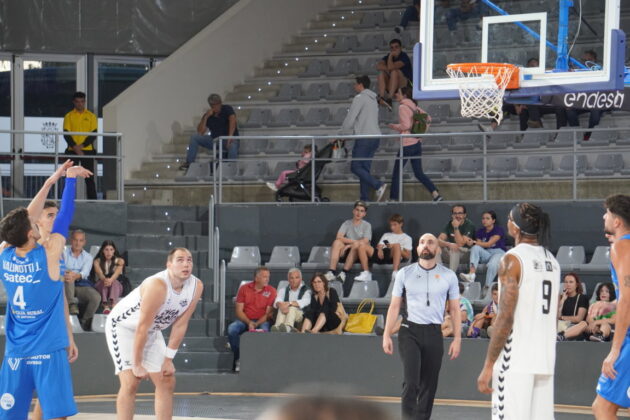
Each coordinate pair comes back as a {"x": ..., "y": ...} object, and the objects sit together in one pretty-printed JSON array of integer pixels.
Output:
[{"x": 517, "y": 31}]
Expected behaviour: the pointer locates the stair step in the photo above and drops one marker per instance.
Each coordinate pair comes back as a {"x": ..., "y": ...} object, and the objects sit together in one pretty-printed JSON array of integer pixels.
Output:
[
  {"x": 140, "y": 212},
  {"x": 155, "y": 258},
  {"x": 165, "y": 227},
  {"x": 206, "y": 360},
  {"x": 161, "y": 242},
  {"x": 196, "y": 344}
]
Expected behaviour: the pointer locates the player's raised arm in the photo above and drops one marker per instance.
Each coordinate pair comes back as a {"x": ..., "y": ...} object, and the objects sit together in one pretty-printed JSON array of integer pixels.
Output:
[
  {"x": 509, "y": 278},
  {"x": 622, "y": 318},
  {"x": 153, "y": 296}
]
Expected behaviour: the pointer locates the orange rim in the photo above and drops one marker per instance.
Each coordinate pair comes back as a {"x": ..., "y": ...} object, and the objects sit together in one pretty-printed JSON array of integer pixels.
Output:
[{"x": 490, "y": 68}]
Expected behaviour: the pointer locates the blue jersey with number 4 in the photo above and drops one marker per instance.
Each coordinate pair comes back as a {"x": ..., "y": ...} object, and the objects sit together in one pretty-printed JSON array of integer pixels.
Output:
[{"x": 35, "y": 321}]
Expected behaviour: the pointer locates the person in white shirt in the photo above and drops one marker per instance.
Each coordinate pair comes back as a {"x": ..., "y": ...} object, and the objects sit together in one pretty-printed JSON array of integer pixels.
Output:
[
  {"x": 290, "y": 303},
  {"x": 393, "y": 247}
]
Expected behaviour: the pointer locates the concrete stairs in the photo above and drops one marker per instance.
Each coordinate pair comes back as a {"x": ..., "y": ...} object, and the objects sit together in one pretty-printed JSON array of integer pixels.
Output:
[{"x": 152, "y": 232}]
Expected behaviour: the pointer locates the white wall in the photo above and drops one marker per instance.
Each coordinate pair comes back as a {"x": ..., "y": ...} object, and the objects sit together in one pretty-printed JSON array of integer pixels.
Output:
[{"x": 222, "y": 55}]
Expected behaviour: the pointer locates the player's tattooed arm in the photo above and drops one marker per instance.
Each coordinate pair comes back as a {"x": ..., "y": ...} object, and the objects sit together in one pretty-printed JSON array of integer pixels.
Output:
[{"x": 509, "y": 277}]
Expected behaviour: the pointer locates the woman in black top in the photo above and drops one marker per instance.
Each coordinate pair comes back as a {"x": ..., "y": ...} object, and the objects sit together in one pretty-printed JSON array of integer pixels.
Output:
[
  {"x": 572, "y": 307},
  {"x": 321, "y": 314}
]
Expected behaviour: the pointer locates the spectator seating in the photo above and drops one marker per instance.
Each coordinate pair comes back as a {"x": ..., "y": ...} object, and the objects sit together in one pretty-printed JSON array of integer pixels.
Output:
[
  {"x": 338, "y": 286},
  {"x": 566, "y": 166},
  {"x": 315, "y": 92},
  {"x": 318, "y": 259},
  {"x": 284, "y": 257},
  {"x": 606, "y": 165},
  {"x": 362, "y": 290},
  {"x": 98, "y": 323},
  {"x": 2, "y": 324},
  {"x": 600, "y": 260},
  {"x": 75, "y": 324},
  {"x": 244, "y": 257},
  {"x": 472, "y": 291},
  {"x": 532, "y": 140},
  {"x": 502, "y": 167},
  {"x": 469, "y": 168},
  {"x": 94, "y": 250},
  {"x": 249, "y": 170},
  {"x": 571, "y": 257},
  {"x": 536, "y": 166},
  {"x": 287, "y": 93},
  {"x": 344, "y": 67},
  {"x": 486, "y": 297}
]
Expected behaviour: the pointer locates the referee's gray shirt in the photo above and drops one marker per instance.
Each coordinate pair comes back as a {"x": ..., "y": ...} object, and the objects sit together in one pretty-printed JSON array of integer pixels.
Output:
[{"x": 426, "y": 291}]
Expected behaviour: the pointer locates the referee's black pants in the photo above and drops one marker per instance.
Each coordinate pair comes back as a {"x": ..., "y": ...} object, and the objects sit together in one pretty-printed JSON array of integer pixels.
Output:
[
  {"x": 421, "y": 349},
  {"x": 89, "y": 163}
]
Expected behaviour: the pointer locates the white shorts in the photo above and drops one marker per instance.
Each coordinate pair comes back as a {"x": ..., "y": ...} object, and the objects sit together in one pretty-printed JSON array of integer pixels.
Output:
[
  {"x": 523, "y": 396},
  {"x": 120, "y": 343}
]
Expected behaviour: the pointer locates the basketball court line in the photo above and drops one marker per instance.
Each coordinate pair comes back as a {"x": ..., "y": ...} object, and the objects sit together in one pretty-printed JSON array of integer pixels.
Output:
[{"x": 558, "y": 408}]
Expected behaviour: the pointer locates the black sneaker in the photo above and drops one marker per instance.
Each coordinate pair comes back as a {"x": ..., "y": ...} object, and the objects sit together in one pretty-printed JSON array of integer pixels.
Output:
[
  {"x": 561, "y": 337},
  {"x": 598, "y": 338},
  {"x": 386, "y": 102},
  {"x": 184, "y": 166},
  {"x": 438, "y": 198}
]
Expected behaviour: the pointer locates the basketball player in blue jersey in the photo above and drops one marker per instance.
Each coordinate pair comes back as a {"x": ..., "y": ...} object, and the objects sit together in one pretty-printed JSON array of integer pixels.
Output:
[
  {"x": 613, "y": 387},
  {"x": 37, "y": 344}
]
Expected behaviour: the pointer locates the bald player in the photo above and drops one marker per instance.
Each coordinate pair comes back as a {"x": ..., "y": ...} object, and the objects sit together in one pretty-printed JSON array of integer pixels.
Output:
[{"x": 427, "y": 285}]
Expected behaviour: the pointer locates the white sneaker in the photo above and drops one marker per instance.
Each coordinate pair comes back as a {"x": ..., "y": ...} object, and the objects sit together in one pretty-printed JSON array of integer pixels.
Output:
[
  {"x": 364, "y": 276},
  {"x": 468, "y": 277},
  {"x": 341, "y": 276},
  {"x": 237, "y": 366},
  {"x": 394, "y": 274},
  {"x": 330, "y": 276},
  {"x": 381, "y": 192},
  {"x": 271, "y": 186}
]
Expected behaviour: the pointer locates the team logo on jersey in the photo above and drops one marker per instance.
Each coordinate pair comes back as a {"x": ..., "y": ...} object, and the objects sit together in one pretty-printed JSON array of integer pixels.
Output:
[
  {"x": 183, "y": 303},
  {"x": 266, "y": 294},
  {"x": 437, "y": 276},
  {"x": 548, "y": 266},
  {"x": 537, "y": 265},
  {"x": 14, "y": 363},
  {"x": 7, "y": 401}
]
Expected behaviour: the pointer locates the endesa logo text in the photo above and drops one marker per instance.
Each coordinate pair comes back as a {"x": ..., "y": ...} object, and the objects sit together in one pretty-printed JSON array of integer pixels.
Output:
[{"x": 594, "y": 100}]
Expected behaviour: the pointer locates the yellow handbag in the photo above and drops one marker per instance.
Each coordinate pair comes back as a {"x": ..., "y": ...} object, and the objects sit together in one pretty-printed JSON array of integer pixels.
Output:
[{"x": 362, "y": 322}]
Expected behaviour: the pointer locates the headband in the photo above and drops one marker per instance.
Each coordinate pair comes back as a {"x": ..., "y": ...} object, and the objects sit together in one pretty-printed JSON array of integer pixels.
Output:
[{"x": 526, "y": 227}]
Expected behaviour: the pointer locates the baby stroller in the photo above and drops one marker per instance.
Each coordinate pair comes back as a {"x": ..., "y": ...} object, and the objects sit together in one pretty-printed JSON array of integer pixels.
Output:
[{"x": 298, "y": 186}]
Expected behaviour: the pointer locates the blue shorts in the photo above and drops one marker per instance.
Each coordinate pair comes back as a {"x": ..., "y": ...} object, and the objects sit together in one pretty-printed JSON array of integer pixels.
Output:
[
  {"x": 49, "y": 374},
  {"x": 617, "y": 391}
]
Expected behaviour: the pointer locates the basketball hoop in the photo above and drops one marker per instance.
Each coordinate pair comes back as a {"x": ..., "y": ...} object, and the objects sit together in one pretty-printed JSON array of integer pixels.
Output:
[{"x": 482, "y": 87}]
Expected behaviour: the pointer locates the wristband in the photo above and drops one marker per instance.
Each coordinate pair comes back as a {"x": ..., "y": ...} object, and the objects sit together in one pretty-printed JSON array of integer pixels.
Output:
[{"x": 170, "y": 353}]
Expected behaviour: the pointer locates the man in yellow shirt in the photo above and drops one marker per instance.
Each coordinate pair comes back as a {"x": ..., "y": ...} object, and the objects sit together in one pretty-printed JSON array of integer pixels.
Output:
[{"x": 82, "y": 120}]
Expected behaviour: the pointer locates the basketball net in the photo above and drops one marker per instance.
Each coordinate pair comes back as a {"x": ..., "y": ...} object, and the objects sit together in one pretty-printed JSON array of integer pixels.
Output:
[{"x": 481, "y": 88}]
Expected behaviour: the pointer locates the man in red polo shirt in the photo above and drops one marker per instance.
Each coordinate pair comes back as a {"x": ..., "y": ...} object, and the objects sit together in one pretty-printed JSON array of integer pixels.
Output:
[{"x": 254, "y": 304}]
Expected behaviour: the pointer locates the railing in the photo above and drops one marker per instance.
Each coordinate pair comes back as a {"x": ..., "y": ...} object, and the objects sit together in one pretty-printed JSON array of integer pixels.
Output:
[
  {"x": 222, "y": 294},
  {"x": 574, "y": 148},
  {"x": 56, "y": 157}
]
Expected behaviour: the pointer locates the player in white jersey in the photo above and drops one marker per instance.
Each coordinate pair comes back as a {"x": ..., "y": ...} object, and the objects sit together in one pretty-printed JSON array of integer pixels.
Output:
[
  {"x": 521, "y": 355},
  {"x": 134, "y": 333}
]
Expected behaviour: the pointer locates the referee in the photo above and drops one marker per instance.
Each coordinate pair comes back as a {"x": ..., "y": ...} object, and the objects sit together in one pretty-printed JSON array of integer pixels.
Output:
[{"x": 426, "y": 286}]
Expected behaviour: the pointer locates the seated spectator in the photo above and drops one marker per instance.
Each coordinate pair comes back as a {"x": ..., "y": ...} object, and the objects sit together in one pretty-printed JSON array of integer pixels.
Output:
[
  {"x": 218, "y": 121},
  {"x": 290, "y": 303},
  {"x": 395, "y": 71},
  {"x": 412, "y": 146},
  {"x": 456, "y": 238},
  {"x": 598, "y": 328},
  {"x": 485, "y": 318},
  {"x": 572, "y": 307},
  {"x": 467, "y": 315},
  {"x": 321, "y": 315},
  {"x": 108, "y": 269},
  {"x": 77, "y": 280},
  {"x": 351, "y": 235},
  {"x": 282, "y": 178},
  {"x": 488, "y": 249},
  {"x": 411, "y": 14},
  {"x": 254, "y": 304},
  {"x": 589, "y": 58},
  {"x": 393, "y": 247}
]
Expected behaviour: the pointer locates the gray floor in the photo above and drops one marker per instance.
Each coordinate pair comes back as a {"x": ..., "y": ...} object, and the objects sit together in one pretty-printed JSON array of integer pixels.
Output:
[{"x": 249, "y": 407}]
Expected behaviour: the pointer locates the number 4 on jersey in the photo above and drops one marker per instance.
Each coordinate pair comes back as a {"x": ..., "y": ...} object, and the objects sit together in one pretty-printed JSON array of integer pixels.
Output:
[{"x": 18, "y": 298}]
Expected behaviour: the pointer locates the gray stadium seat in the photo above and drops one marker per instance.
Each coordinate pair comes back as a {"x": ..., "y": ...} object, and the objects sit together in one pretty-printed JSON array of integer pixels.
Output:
[
  {"x": 2, "y": 324},
  {"x": 318, "y": 259},
  {"x": 381, "y": 168},
  {"x": 345, "y": 67},
  {"x": 282, "y": 284},
  {"x": 564, "y": 138},
  {"x": 252, "y": 146},
  {"x": 258, "y": 118},
  {"x": 286, "y": 118},
  {"x": 393, "y": 18},
  {"x": 3, "y": 295},
  {"x": 315, "y": 92},
  {"x": 607, "y": 165},
  {"x": 371, "y": 42},
  {"x": 336, "y": 171},
  {"x": 594, "y": 296},
  {"x": 94, "y": 250},
  {"x": 468, "y": 142},
  {"x": 284, "y": 257},
  {"x": 479, "y": 304},
  {"x": 469, "y": 168},
  {"x": 570, "y": 257},
  {"x": 229, "y": 170},
  {"x": 371, "y": 20},
  {"x": 600, "y": 138},
  {"x": 437, "y": 168},
  {"x": 287, "y": 93},
  {"x": 315, "y": 117},
  {"x": 499, "y": 142},
  {"x": 338, "y": 286},
  {"x": 245, "y": 257},
  {"x": 566, "y": 166},
  {"x": 98, "y": 323},
  {"x": 75, "y": 324},
  {"x": 362, "y": 290},
  {"x": 338, "y": 117},
  {"x": 316, "y": 68},
  {"x": 252, "y": 170},
  {"x": 344, "y": 44},
  {"x": 536, "y": 166},
  {"x": 343, "y": 91},
  {"x": 532, "y": 140},
  {"x": 600, "y": 260},
  {"x": 369, "y": 67},
  {"x": 502, "y": 167},
  {"x": 439, "y": 111},
  {"x": 284, "y": 166},
  {"x": 386, "y": 117},
  {"x": 281, "y": 146},
  {"x": 472, "y": 291},
  {"x": 243, "y": 282}
]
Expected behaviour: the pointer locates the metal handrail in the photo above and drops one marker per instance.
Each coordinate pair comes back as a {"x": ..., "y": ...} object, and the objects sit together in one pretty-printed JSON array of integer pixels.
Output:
[
  {"x": 484, "y": 153},
  {"x": 215, "y": 269},
  {"x": 222, "y": 300}
]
